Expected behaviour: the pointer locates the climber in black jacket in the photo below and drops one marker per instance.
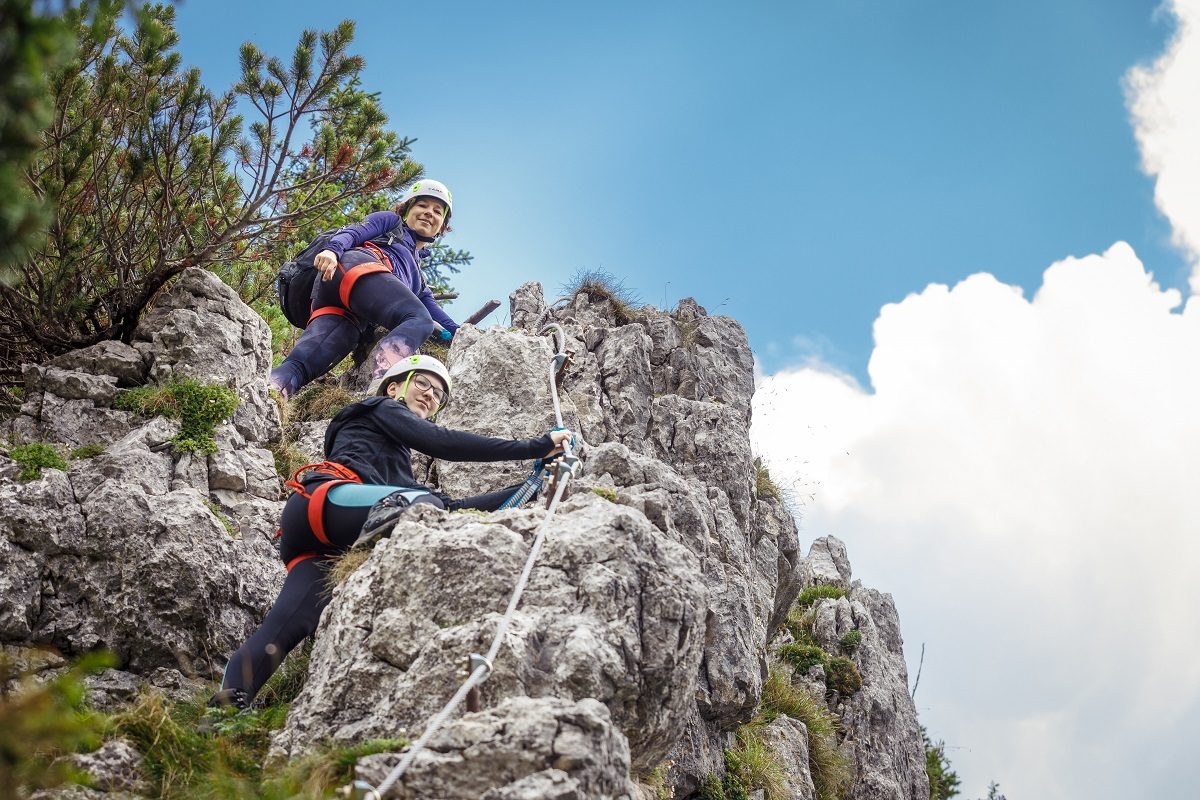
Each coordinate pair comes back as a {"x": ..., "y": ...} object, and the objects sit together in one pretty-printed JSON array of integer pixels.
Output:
[{"x": 358, "y": 492}]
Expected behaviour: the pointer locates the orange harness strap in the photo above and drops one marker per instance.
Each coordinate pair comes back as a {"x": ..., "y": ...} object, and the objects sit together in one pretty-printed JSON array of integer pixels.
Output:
[
  {"x": 332, "y": 468},
  {"x": 320, "y": 312},
  {"x": 354, "y": 273},
  {"x": 316, "y": 500},
  {"x": 298, "y": 559}
]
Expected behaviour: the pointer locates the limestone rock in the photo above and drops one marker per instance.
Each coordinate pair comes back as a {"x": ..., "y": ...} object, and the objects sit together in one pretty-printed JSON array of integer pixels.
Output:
[
  {"x": 614, "y": 611},
  {"x": 523, "y": 749},
  {"x": 114, "y": 767},
  {"x": 788, "y": 738}
]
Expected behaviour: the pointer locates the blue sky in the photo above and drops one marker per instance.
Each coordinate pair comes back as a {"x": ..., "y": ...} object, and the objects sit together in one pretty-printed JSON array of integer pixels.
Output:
[
  {"x": 794, "y": 165},
  {"x": 1016, "y": 466}
]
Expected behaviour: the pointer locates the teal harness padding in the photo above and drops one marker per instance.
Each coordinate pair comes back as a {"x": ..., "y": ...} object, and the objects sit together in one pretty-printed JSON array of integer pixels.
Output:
[{"x": 365, "y": 495}]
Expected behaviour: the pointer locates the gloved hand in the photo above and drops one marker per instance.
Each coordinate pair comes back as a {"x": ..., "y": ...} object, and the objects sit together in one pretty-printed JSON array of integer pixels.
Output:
[{"x": 445, "y": 334}]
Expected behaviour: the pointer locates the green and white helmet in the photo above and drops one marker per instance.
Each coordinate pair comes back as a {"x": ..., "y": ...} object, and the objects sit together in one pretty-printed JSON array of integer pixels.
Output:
[
  {"x": 428, "y": 188},
  {"x": 417, "y": 363}
]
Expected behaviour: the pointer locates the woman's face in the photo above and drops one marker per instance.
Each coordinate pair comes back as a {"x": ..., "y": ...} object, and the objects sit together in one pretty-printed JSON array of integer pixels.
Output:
[
  {"x": 426, "y": 216},
  {"x": 426, "y": 393}
]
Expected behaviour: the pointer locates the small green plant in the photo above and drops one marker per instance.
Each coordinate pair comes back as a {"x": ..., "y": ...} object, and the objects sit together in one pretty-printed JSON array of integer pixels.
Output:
[
  {"x": 943, "y": 781},
  {"x": 803, "y": 657},
  {"x": 607, "y": 493},
  {"x": 40, "y": 721},
  {"x": 842, "y": 676},
  {"x": 199, "y": 407},
  {"x": 658, "y": 781},
  {"x": 317, "y": 401},
  {"x": 712, "y": 788},
  {"x": 799, "y": 624},
  {"x": 87, "y": 451},
  {"x": 35, "y": 457},
  {"x": 764, "y": 487},
  {"x": 183, "y": 763},
  {"x": 600, "y": 286},
  {"x": 287, "y": 458},
  {"x": 284, "y": 686},
  {"x": 220, "y": 515},
  {"x": 851, "y": 640},
  {"x": 822, "y": 591},
  {"x": 828, "y": 766},
  {"x": 752, "y": 764}
]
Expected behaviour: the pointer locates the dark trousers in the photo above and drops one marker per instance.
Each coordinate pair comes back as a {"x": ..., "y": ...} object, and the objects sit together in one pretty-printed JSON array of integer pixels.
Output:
[
  {"x": 373, "y": 299},
  {"x": 305, "y": 591}
]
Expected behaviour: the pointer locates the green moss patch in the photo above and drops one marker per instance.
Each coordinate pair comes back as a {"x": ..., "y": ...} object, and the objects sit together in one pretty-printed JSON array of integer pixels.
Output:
[{"x": 199, "y": 407}]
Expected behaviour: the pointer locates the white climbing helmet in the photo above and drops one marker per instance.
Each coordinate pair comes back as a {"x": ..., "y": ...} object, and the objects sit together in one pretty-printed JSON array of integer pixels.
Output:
[
  {"x": 417, "y": 363},
  {"x": 428, "y": 188}
]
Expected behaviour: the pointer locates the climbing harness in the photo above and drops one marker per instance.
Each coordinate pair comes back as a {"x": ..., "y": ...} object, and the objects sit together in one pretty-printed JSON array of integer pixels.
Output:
[{"x": 564, "y": 468}]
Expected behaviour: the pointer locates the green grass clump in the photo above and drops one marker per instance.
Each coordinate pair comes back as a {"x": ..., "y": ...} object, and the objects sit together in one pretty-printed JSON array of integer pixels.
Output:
[
  {"x": 851, "y": 640},
  {"x": 86, "y": 451},
  {"x": 183, "y": 763},
  {"x": 711, "y": 788},
  {"x": 318, "y": 401},
  {"x": 842, "y": 676},
  {"x": 601, "y": 286},
  {"x": 799, "y": 624},
  {"x": 199, "y": 407},
  {"x": 287, "y": 458},
  {"x": 34, "y": 458},
  {"x": 828, "y": 766},
  {"x": 803, "y": 657},
  {"x": 822, "y": 591},
  {"x": 603, "y": 491},
  {"x": 764, "y": 487},
  {"x": 752, "y": 764},
  {"x": 41, "y": 721},
  {"x": 658, "y": 781}
]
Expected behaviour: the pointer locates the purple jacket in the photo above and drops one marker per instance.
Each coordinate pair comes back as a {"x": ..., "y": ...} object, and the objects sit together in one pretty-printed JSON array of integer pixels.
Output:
[{"x": 403, "y": 252}]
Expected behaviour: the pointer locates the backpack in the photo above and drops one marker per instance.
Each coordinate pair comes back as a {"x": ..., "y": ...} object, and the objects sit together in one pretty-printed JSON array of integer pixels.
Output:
[{"x": 294, "y": 284}]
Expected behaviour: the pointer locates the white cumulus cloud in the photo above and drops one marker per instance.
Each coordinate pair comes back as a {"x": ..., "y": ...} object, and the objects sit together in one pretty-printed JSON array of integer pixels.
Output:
[
  {"x": 1023, "y": 479},
  {"x": 1164, "y": 101}
]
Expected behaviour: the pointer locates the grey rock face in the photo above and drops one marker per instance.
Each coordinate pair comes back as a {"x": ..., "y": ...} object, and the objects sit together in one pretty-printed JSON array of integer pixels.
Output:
[
  {"x": 882, "y": 735},
  {"x": 788, "y": 738},
  {"x": 614, "y": 611},
  {"x": 201, "y": 329},
  {"x": 124, "y": 551},
  {"x": 523, "y": 749},
  {"x": 115, "y": 767}
]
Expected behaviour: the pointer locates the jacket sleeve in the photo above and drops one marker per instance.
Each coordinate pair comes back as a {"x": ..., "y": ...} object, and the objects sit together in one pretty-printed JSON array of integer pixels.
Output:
[
  {"x": 436, "y": 311},
  {"x": 376, "y": 224},
  {"x": 450, "y": 445}
]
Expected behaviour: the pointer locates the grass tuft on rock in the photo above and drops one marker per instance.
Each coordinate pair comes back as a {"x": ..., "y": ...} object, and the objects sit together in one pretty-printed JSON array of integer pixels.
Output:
[
  {"x": 601, "y": 286},
  {"x": 199, "y": 407},
  {"x": 753, "y": 764},
  {"x": 810, "y": 595},
  {"x": 317, "y": 401},
  {"x": 35, "y": 457},
  {"x": 764, "y": 487},
  {"x": 828, "y": 766}
]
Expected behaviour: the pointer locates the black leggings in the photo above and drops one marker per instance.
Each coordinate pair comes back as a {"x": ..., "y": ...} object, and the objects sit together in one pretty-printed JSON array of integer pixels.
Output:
[
  {"x": 376, "y": 298},
  {"x": 305, "y": 591}
]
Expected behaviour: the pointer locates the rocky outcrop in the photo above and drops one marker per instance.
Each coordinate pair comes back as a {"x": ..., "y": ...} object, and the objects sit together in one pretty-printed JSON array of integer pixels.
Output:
[
  {"x": 164, "y": 559},
  {"x": 643, "y": 639}
]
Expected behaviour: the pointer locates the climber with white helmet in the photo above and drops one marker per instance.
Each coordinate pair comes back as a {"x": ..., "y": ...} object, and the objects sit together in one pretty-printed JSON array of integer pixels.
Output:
[
  {"x": 370, "y": 275},
  {"x": 357, "y": 494}
]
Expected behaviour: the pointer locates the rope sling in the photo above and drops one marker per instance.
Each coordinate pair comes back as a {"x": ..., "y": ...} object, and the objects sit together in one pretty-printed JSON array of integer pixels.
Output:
[{"x": 563, "y": 470}]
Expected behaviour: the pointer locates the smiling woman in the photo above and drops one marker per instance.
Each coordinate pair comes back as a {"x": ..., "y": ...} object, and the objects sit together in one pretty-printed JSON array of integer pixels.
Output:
[
  {"x": 370, "y": 275},
  {"x": 357, "y": 494}
]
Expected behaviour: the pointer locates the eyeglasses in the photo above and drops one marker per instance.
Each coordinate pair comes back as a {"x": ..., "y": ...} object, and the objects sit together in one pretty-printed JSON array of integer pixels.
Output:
[{"x": 426, "y": 385}]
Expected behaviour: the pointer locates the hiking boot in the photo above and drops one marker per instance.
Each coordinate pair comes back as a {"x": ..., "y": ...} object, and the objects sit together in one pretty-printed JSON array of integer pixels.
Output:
[
  {"x": 383, "y": 515},
  {"x": 226, "y": 698}
]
